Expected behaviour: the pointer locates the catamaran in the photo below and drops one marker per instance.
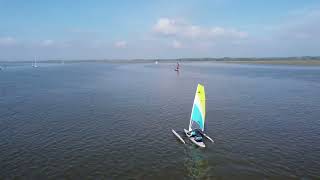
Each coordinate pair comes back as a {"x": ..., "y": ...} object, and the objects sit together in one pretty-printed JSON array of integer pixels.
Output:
[{"x": 197, "y": 119}]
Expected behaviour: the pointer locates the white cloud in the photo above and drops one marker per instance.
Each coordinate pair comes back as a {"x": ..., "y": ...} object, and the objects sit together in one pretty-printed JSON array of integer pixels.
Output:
[
  {"x": 166, "y": 26},
  {"x": 304, "y": 26},
  {"x": 47, "y": 42},
  {"x": 176, "y": 44},
  {"x": 296, "y": 35},
  {"x": 7, "y": 41},
  {"x": 121, "y": 44},
  {"x": 183, "y": 29}
]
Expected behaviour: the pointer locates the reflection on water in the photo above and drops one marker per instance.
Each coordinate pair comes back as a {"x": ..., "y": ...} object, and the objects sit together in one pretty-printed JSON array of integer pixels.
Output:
[{"x": 196, "y": 164}]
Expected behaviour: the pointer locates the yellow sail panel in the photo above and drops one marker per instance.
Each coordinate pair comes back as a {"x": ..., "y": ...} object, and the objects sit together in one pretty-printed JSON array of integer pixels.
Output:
[{"x": 202, "y": 97}]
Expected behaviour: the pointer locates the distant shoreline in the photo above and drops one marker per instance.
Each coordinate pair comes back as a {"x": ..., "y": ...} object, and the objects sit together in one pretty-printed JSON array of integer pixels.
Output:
[
  {"x": 279, "y": 62},
  {"x": 307, "y": 61}
]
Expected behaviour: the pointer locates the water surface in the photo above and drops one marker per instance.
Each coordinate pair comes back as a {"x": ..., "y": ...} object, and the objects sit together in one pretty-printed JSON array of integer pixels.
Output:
[{"x": 99, "y": 120}]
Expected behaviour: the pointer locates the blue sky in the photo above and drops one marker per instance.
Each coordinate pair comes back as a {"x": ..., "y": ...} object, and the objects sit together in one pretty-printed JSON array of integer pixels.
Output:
[{"x": 125, "y": 29}]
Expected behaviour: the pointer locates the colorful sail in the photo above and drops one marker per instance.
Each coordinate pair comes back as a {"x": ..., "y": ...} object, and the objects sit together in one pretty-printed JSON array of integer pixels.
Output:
[{"x": 198, "y": 113}]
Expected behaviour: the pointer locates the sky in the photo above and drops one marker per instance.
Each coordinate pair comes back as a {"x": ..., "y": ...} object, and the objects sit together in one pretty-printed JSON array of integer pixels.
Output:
[{"x": 131, "y": 29}]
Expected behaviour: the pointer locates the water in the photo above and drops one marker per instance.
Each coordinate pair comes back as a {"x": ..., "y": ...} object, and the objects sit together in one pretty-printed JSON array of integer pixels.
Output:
[{"x": 113, "y": 121}]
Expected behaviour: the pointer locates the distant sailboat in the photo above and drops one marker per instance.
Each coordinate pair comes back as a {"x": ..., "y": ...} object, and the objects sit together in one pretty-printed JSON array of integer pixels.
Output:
[
  {"x": 34, "y": 63},
  {"x": 156, "y": 62}
]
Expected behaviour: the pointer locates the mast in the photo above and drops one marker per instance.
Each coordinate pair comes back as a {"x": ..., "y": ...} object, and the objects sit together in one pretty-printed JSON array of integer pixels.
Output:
[
  {"x": 35, "y": 62},
  {"x": 190, "y": 124}
]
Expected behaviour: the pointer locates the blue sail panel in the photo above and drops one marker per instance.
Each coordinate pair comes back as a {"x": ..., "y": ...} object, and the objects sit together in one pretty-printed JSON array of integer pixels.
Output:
[{"x": 196, "y": 118}]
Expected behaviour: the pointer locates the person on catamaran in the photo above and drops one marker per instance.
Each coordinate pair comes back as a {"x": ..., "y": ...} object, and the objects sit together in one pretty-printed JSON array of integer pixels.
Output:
[
  {"x": 196, "y": 134},
  {"x": 178, "y": 66}
]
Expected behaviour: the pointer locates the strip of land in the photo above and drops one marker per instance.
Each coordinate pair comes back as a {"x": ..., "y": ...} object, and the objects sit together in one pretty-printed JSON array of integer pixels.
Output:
[{"x": 279, "y": 62}]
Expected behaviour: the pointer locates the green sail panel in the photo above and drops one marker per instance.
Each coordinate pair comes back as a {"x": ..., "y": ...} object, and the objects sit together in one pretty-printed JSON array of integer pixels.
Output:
[{"x": 198, "y": 114}]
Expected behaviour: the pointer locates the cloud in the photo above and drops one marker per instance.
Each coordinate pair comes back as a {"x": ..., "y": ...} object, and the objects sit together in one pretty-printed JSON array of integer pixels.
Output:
[
  {"x": 296, "y": 35},
  {"x": 47, "y": 42},
  {"x": 182, "y": 29},
  {"x": 121, "y": 44},
  {"x": 7, "y": 41},
  {"x": 305, "y": 26},
  {"x": 176, "y": 44},
  {"x": 166, "y": 26}
]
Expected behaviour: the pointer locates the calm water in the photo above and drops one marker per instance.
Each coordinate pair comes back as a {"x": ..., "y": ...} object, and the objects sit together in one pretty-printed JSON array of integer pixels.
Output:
[{"x": 98, "y": 120}]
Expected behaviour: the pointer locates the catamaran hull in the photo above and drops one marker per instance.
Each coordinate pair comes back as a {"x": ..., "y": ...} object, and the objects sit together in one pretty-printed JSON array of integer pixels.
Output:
[
  {"x": 178, "y": 136},
  {"x": 200, "y": 144}
]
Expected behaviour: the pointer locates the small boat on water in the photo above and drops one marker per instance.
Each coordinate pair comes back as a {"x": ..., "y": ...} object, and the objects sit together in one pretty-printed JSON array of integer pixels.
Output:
[
  {"x": 196, "y": 132},
  {"x": 178, "y": 67},
  {"x": 156, "y": 62}
]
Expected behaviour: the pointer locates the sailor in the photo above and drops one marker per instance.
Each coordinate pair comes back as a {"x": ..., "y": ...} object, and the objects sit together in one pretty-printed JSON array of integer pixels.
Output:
[
  {"x": 193, "y": 133},
  {"x": 197, "y": 135}
]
